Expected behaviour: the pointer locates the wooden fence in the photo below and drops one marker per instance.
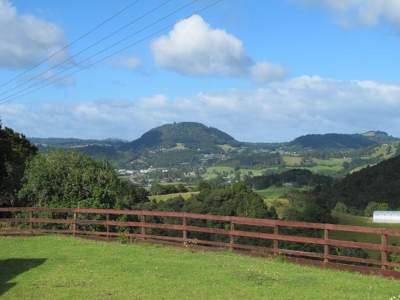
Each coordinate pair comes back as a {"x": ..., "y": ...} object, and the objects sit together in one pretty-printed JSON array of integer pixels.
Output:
[{"x": 318, "y": 243}]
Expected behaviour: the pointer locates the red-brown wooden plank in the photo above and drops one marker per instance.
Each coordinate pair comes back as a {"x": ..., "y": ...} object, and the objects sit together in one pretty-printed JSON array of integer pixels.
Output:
[{"x": 354, "y": 259}]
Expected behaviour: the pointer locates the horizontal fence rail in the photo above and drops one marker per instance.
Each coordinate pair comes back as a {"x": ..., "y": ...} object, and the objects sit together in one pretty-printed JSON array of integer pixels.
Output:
[{"x": 303, "y": 242}]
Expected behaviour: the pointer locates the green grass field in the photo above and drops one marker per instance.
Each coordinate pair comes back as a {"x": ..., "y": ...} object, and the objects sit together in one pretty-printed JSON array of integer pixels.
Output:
[
  {"x": 158, "y": 198},
  {"x": 292, "y": 161},
  {"x": 54, "y": 267},
  {"x": 213, "y": 172}
]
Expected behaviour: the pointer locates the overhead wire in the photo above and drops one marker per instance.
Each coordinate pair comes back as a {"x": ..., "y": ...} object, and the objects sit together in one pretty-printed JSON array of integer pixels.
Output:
[
  {"x": 56, "y": 79},
  {"x": 70, "y": 44},
  {"x": 71, "y": 58}
]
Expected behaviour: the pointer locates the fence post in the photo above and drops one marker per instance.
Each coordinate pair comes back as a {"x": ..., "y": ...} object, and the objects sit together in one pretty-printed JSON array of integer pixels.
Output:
[
  {"x": 384, "y": 244},
  {"x": 107, "y": 226},
  {"x": 74, "y": 224},
  {"x": 184, "y": 231},
  {"x": 30, "y": 221},
  {"x": 276, "y": 242},
  {"x": 326, "y": 246},
  {"x": 231, "y": 237},
  {"x": 142, "y": 228}
]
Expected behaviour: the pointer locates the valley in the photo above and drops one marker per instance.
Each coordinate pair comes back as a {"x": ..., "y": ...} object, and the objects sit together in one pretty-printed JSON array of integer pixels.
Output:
[{"x": 187, "y": 152}]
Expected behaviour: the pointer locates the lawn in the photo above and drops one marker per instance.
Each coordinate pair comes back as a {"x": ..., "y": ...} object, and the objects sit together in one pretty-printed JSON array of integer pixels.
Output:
[{"x": 55, "y": 267}]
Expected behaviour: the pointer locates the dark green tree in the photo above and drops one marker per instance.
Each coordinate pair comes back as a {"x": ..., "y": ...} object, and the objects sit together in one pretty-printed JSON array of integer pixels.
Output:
[{"x": 15, "y": 152}]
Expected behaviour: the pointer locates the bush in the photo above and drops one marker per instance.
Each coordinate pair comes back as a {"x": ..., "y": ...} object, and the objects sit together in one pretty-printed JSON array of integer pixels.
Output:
[
  {"x": 341, "y": 208},
  {"x": 374, "y": 206}
]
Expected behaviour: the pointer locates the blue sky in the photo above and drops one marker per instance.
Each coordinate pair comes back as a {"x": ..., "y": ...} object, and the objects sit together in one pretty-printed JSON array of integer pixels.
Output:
[{"x": 260, "y": 70}]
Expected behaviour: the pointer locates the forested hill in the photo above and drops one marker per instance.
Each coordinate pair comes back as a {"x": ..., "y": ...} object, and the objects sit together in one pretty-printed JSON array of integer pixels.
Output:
[
  {"x": 379, "y": 183},
  {"x": 186, "y": 134},
  {"x": 342, "y": 141}
]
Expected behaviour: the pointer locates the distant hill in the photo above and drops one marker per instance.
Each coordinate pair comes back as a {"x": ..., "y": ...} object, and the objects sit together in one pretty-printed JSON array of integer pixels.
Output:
[
  {"x": 343, "y": 141},
  {"x": 186, "y": 135},
  {"x": 72, "y": 142},
  {"x": 380, "y": 137},
  {"x": 333, "y": 141},
  {"x": 379, "y": 183}
]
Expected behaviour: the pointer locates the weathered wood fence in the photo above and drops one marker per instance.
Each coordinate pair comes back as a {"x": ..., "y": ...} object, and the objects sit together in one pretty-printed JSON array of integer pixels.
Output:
[{"x": 234, "y": 233}]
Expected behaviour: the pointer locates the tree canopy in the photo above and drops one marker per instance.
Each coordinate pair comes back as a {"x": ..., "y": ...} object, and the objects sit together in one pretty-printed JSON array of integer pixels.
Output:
[
  {"x": 15, "y": 152},
  {"x": 71, "y": 179}
]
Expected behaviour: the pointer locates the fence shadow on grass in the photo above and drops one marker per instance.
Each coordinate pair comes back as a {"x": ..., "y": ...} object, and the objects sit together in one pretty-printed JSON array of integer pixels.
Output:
[{"x": 10, "y": 268}]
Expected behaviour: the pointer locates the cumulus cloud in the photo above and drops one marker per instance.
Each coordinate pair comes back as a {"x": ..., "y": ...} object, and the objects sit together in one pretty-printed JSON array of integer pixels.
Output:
[
  {"x": 26, "y": 39},
  {"x": 193, "y": 47},
  {"x": 363, "y": 12},
  {"x": 277, "y": 112}
]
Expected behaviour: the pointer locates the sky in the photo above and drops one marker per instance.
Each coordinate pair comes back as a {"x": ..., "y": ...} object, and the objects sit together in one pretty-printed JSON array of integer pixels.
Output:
[{"x": 262, "y": 71}]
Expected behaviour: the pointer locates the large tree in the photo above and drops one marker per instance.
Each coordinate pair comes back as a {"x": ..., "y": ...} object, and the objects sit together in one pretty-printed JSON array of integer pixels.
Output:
[
  {"x": 71, "y": 179},
  {"x": 15, "y": 152}
]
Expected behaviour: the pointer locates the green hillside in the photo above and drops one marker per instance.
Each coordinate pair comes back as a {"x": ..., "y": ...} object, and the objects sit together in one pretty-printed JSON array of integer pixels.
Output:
[
  {"x": 333, "y": 141},
  {"x": 379, "y": 183},
  {"x": 187, "y": 134},
  {"x": 52, "y": 267}
]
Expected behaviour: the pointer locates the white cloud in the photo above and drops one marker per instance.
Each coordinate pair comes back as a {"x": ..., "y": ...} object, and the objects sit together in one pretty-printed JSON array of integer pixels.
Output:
[
  {"x": 26, "y": 39},
  {"x": 363, "y": 12},
  {"x": 194, "y": 48},
  {"x": 277, "y": 112},
  {"x": 263, "y": 72},
  {"x": 127, "y": 62}
]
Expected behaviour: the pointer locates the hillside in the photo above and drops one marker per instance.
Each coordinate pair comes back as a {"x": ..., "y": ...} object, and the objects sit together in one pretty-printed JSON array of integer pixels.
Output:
[
  {"x": 73, "y": 142},
  {"x": 185, "y": 135},
  {"x": 379, "y": 183},
  {"x": 334, "y": 141},
  {"x": 184, "y": 151}
]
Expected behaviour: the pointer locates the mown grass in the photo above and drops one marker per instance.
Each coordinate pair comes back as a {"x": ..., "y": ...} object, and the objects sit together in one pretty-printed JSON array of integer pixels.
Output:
[
  {"x": 54, "y": 267},
  {"x": 160, "y": 198}
]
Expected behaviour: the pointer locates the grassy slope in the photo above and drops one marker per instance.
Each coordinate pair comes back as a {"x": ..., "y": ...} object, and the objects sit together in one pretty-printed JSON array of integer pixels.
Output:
[
  {"x": 80, "y": 269},
  {"x": 213, "y": 172},
  {"x": 159, "y": 198},
  {"x": 348, "y": 219}
]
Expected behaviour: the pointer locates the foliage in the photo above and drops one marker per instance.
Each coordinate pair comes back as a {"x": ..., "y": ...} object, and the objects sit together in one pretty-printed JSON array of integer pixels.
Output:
[
  {"x": 296, "y": 177},
  {"x": 377, "y": 183},
  {"x": 373, "y": 206},
  {"x": 192, "y": 135},
  {"x": 250, "y": 159},
  {"x": 303, "y": 206},
  {"x": 340, "y": 207},
  {"x": 71, "y": 179},
  {"x": 333, "y": 141},
  {"x": 15, "y": 152},
  {"x": 230, "y": 200},
  {"x": 160, "y": 189}
]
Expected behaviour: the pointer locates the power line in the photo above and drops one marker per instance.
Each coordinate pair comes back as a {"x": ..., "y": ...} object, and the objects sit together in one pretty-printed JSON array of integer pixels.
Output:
[
  {"x": 94, "y": 29},
  {"x": 105, "y": 49},
  {"x": 104, "y": 38},
  {"x": 57, "y": 79}
]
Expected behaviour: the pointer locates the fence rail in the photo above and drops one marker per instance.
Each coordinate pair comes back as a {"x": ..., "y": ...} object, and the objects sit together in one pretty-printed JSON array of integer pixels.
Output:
[{"x": 235, "y": 233}]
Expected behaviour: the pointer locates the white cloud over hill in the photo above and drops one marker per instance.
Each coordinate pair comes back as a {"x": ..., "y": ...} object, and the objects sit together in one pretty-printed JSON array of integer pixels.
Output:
[{"x": 278, "y": 111}]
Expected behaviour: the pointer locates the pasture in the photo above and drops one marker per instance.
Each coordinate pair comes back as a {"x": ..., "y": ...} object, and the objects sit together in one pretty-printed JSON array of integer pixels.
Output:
[
  {"x": 159, "y": 198},
  {"x": 55, "y": 267}
]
